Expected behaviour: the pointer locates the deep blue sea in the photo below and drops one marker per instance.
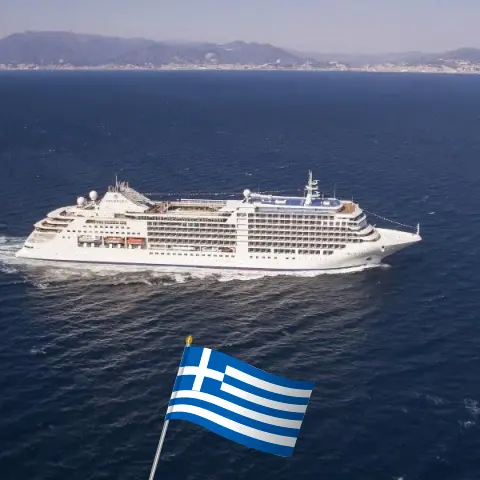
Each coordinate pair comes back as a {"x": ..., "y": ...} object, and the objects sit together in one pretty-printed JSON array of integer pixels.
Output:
[{"x": 88, "y": 355}]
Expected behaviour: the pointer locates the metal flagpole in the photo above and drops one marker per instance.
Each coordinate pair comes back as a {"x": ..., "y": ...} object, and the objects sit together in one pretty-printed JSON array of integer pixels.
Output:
[{"x": 188, "y": 342}]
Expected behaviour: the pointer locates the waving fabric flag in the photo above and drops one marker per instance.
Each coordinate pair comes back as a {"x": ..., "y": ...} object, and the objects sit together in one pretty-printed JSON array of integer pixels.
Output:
[{"x": 238, "y": 401}]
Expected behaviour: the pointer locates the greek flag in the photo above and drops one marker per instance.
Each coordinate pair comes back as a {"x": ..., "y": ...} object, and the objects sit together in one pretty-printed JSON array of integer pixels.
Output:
[{"x": 238, "y": 401}]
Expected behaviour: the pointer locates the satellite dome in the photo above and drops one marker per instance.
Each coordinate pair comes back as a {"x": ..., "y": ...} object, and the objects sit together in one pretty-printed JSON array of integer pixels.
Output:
[
  {"x": 246, "y": 193},
  {"x": 93, "y": 195},
  {"x": 80, "y": 201}
]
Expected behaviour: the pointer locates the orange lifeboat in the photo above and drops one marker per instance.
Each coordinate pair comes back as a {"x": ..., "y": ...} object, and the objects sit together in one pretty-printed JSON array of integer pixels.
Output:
[
  {"x": 135, "y": 241},
  {"x": 114, "y": 240}
]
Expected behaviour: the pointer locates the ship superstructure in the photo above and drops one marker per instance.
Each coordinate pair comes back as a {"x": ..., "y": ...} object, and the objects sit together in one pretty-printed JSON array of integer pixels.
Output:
[{"x": 257, "y": 232}]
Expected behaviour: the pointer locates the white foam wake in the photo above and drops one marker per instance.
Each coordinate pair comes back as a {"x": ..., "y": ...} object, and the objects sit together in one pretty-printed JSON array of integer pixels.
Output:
[{"x": 8, "y": 248}]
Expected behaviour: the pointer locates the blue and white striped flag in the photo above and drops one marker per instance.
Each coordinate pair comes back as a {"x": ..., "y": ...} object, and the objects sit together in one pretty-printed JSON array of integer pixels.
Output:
[{"x": 238, "y": 401}]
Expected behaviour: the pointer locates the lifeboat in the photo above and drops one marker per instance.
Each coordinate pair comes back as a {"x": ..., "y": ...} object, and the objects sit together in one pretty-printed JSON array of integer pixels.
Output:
[
  {"x": 114, "y": 240},
  {"x": 226, "y": 249},
  {"x": 89, "y": 239},
  {"x": 135, "y": 241}
]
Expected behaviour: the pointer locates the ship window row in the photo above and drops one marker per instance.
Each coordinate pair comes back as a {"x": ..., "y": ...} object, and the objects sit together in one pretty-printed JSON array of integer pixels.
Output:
[
  {"x": 311, "y": 221},
  {"x": 190, "y": 231},
  {"x": 289, "y": 251},
  {"x": 108, "y": 232},
  {"x": 171, "y": 219},
  {"x": 184, "y": 220},
  {"x": 109, "y": 226},
  {"x": 325, "y": 252},
  {"x": 301, "y": 231},
  {"x": 296, "y": 240},
  {"x": 286, "y": 258},
  {"x": 335, "y": 232},
  {"x": 297, "y": 245},
  {"x": 289, "y": 216},
  {"x": 191, "y": 236},
  {"x": 105, "y": 227},
  {"x": 106, "y": 222},
  {"x": 305, "y": 238},
  {"x": 189, "y": 242},
  {"x": 213, "y": 228},
  {"x": 307, "y": 234},
  {"x": 306, "y": 223},
  {"x": 193, "y": 254},
  {"x": 295, "y": 217},
  {"x": 268, "y": 226},
  {"x": 299, "y": 241},
  {"x": 293, "y": 246},
  {"x": 302, "y": 245},
  {"x": 315, "y": 252}
]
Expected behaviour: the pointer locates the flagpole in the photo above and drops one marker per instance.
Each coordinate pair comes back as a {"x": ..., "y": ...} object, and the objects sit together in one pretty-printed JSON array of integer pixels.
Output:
[{"x": 188, "y": 342}]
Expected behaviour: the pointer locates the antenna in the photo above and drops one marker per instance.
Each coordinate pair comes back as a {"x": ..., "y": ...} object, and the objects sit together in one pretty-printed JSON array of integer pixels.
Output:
[
  {"x": 334, "y": 190},
  {"x": 311, "y": 189}
]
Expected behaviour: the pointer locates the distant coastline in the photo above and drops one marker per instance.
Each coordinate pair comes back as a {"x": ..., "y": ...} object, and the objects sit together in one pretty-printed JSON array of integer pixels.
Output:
[
  {"x": 300, "y": 68},
  {"x": 72, "y": 51}
]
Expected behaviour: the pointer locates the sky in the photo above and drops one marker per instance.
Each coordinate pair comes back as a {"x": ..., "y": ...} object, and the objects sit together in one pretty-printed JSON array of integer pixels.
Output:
[{"x": 329, "y": 26}]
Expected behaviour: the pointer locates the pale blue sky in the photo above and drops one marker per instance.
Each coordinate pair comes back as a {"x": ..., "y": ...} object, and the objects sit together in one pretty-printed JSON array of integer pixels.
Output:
[{"x": 315, "y": 25}]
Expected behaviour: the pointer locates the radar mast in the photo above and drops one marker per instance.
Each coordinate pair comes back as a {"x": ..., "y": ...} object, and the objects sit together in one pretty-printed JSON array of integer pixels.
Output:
[{"x": 311, "y": 189}]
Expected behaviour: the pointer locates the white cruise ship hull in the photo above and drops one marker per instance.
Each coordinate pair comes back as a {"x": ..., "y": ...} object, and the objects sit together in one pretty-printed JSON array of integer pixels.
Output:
[
  {"x": 259, "y": 232},
  {"x": 390, "y": 241}
]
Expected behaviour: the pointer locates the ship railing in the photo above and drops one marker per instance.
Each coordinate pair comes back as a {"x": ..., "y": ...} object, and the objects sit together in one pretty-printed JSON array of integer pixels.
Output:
[
  {"x": 136, "y": 197},
  {"x": 190, "y": 201}
]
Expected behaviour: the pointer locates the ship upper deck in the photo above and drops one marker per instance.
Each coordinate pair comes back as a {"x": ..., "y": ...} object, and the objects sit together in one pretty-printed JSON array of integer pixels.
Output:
[
  {"x": 198, "y": 207},
  {"x": 326, "y": 203},
  {"x": 123, "y": 201}
]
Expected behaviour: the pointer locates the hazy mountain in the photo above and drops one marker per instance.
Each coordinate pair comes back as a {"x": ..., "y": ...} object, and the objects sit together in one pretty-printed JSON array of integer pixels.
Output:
[
  {"x": 46, "y": 48},
  {"x": 410, "y": 58},
  {"x": 355, "y": 59},
  {"x": 469, "y": 54},
  {"x": 52, "y": 48}
]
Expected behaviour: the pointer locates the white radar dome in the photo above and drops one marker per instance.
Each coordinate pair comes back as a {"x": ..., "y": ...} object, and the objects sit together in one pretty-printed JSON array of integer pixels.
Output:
[
  {"x": 93, "y": 195},
  {"x": 246, "y": 192},
  {"x": 80, "y": 201}
]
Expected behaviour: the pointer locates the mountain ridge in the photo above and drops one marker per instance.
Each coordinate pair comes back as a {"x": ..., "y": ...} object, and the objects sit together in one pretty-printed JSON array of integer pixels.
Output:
[{"x": 46, "y": 48}]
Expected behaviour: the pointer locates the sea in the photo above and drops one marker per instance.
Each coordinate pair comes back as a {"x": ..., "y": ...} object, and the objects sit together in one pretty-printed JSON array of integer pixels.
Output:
[{"x": 89, "y": 354}]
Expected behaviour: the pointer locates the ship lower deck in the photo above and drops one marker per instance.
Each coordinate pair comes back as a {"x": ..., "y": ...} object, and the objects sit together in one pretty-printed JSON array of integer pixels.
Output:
[{"x": 234, "y": 262}]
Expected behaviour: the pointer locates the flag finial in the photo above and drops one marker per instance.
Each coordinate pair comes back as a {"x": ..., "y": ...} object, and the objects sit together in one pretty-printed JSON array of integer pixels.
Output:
[{"x": 188, "y": 341}]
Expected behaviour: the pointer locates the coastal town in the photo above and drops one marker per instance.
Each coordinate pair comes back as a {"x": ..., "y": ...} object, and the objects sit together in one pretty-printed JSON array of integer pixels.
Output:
[{"x": 458, "y": 67}]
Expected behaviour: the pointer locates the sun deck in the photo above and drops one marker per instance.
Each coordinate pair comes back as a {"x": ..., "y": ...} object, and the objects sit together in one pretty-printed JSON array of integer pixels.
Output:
[{"x": 348, "y": 207}]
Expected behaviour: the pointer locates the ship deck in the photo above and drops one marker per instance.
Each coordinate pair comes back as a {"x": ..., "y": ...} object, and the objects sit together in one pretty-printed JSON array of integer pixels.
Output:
[{"x": 348, "y": 207}]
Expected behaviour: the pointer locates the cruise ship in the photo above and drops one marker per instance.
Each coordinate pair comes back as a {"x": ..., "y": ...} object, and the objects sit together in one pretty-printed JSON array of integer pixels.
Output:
[{"x": 311, "y": 232}]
